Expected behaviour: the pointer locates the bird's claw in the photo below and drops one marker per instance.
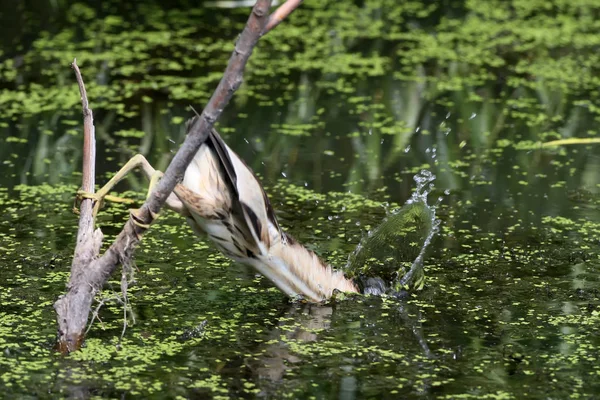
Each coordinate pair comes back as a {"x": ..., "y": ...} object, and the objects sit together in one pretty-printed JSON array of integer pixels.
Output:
[
  {"x": 82, "y": 195},
  {"x": 98, "y": 199},
  {"x": 138, "y": 221}
]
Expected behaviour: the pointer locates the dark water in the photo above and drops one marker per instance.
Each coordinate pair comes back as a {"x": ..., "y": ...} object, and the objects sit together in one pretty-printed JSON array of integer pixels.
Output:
[{"x": 342, "y": 105}]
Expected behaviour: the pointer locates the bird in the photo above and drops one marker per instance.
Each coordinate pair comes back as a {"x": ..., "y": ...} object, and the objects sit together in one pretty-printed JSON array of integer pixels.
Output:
[{"x": 220, "y": 196}]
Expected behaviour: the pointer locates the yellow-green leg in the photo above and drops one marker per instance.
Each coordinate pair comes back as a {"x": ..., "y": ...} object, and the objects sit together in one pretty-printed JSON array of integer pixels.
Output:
[{"x": 136, "y": 161}]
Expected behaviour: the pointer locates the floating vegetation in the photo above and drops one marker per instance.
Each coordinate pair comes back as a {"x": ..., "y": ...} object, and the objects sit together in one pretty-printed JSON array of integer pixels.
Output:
[{"x": 349, "y": 102}]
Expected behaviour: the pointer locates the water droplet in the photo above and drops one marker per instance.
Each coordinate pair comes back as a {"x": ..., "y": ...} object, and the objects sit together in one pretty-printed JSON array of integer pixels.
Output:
[
  {"x": 284, "y": 174},
  {"x": 424, "y": 185},
  {"x": 407, "y": 149},
  {"x": 473, "y": 115},
  {"x": 424, "y": 181}
]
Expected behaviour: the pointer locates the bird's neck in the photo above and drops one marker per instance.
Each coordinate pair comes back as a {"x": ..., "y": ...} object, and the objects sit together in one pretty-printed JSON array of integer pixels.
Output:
[{"x": 309, "y": 276}]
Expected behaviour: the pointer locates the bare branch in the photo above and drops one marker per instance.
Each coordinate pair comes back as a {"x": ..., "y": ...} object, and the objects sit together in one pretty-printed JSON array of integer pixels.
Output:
[
  {"x": 69, "y": 314},
  {"x": 89, "y": 142},
  {"x": 281, "y": 13}
]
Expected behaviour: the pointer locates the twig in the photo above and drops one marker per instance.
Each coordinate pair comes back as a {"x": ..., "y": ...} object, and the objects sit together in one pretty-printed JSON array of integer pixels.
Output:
[
  {"x": 121, "y": 251},
  {"x": 280, "y": 14}
]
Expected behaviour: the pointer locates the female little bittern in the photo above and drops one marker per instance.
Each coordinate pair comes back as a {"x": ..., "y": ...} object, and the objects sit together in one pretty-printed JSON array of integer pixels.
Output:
[{"x": 221, "y": 196}]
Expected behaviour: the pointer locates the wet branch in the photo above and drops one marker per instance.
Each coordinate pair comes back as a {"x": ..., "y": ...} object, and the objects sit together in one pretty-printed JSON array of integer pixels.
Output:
[{"x": 89, "y": 273}]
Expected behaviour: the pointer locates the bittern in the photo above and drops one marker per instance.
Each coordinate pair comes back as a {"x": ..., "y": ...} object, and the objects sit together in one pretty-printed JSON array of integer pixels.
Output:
[{"x": 221, "y": 196}]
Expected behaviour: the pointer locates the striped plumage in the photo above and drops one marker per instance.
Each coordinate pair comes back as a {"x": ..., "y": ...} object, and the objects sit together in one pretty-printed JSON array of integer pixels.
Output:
[{"x": 222, "y": 197}]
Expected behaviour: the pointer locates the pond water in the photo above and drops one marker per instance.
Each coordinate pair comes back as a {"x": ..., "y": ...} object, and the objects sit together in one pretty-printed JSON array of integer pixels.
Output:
[{"x": 342, "y": 105}]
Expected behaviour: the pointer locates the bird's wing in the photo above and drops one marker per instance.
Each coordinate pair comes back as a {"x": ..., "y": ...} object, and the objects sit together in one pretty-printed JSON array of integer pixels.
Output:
[
  {"x": 220, "y": 149},
  {"x": 248, "y": 195}
]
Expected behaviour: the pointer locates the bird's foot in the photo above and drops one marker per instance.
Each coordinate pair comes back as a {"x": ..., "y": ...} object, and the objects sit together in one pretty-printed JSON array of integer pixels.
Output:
[
  {"x": 142, "y": 223},
  {"x": 134, "y": 213},
  {"x": 99, "y": 198}
]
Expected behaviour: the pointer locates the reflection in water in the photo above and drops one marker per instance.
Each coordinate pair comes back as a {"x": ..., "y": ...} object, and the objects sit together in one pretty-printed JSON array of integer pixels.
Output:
[
  {"x": 300, "y": 324},
  {"x": 305, "y": 324}
]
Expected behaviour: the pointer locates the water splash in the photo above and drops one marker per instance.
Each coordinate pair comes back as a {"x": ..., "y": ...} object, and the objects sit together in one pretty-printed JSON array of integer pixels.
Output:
[
  {"x": 381, "y": 259},
  {"x": 424, "y": 180},
  {"x": 425, "y": 185}
]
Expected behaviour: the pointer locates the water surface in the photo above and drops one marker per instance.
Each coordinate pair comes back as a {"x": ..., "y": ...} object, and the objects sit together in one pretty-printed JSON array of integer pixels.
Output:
[{"x": 341, "y": 106}]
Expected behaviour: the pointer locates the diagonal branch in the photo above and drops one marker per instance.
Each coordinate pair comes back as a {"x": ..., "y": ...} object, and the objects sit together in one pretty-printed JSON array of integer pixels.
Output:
[
  {"x": 88, "y": 278},
  {"x": 280, "y": 14}
]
